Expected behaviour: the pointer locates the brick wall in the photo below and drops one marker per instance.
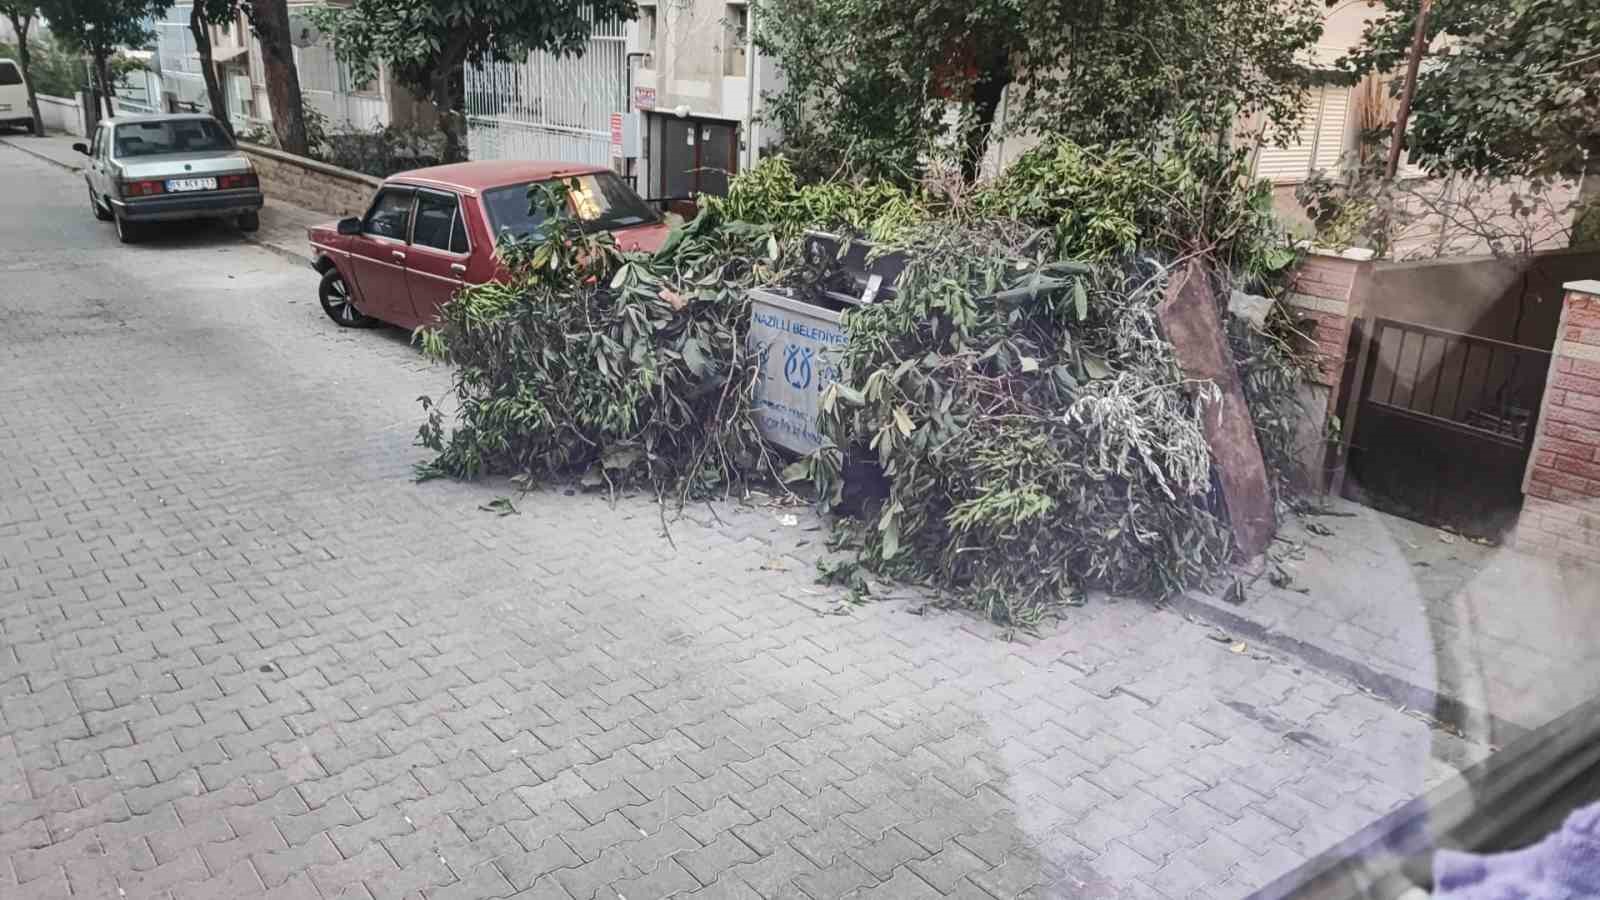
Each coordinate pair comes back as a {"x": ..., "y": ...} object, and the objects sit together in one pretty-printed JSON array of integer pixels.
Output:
[
  {"x": 1328, "y": 294},
  {"x": 311, "y": 184},
  {"x": 1561, "y": 511}
]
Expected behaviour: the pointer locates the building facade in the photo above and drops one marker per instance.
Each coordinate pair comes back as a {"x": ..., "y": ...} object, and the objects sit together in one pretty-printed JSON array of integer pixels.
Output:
[
  {"x": 671, "y": 100},
  {"x": 325, "y": 83}
]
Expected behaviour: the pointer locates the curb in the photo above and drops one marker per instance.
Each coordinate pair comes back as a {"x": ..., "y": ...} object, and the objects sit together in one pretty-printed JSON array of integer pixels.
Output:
[
  {"x": 1447, "y": 709},
  {"x": 37, "y": 155},
  {"x": 294, "y": 256}
]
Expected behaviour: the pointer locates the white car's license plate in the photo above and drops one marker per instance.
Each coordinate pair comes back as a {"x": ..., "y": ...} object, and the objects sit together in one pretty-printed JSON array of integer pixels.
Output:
[
  {"x": 179, "y": 185},
  {"x": 5, "y": 107}
]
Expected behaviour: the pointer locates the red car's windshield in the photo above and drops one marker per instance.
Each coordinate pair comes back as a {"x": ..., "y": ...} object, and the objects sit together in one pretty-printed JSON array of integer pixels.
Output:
[{"x": 600, "y": 200}]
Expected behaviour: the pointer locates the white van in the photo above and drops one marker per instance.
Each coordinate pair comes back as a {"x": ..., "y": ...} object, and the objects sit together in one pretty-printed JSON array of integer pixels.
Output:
[{"x": 14, "y": 110}]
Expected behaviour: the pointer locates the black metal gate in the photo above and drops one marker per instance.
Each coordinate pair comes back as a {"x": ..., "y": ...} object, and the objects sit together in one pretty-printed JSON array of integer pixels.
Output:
[{"x": 1444, "y": 424}]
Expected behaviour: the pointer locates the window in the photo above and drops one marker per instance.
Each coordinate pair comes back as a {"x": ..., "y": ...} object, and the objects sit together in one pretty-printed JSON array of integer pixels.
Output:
[
  {"x": 390, "y": 215},
  {"x": 458, "y": 235},
  {"x": 1320, "y": 142},
  {"x": 735, "y": 39},
  {"x": 437, "y": 221},
  {"x": 600, "y": 201},
  {"x": 9, "y": 74},
  {"x": 170, "y": 136}
]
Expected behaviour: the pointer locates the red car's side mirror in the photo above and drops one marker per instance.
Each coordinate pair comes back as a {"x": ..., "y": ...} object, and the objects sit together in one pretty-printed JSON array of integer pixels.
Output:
[{"x": 351, "y": 225}]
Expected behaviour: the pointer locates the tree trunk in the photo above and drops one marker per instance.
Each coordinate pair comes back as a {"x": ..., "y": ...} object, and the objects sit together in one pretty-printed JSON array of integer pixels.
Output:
[
  {"x": 271, "y": 21},
  {"x": 993, "y": 76},
  {"x": 448, "y": 95},
  {"x": 102, "y": 77},
  {"x": 1586, "y": 227},
  {"x": 21, "y": 24},
  {"x": 201, "y": 29}
]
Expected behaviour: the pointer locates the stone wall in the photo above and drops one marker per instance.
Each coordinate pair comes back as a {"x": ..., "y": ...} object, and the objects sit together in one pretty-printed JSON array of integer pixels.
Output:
[
  {"x": 1561, "y": 511},
  {"x": 311, "y": 184}
]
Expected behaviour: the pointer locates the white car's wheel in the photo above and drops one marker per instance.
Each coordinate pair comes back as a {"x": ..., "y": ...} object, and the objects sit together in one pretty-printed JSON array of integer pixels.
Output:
[
  {"x": 128, "y": 232},
  {"x": 100, "y": 212}
]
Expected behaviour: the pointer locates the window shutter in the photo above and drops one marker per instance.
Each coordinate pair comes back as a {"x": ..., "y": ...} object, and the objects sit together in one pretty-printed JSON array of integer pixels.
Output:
[
  {"x": 1319, "y": 143},
  {"x": 1331, "y": 127},
  {"x": 1291, "y": 163}
]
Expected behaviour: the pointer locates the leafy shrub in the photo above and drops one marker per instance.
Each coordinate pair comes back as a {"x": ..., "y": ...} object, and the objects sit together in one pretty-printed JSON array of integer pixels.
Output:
[
  {"x": 51, "y": 70},
  {"x": 384, "y": 150},
  {"x": 1182, "y": 197},
  {"x": 771, "y": 194},
  {"x": 629, "y": 367}
]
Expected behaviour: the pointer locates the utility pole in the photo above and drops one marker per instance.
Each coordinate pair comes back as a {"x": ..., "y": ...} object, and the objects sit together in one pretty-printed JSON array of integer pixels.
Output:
[{"x": 1419, "y": 42}]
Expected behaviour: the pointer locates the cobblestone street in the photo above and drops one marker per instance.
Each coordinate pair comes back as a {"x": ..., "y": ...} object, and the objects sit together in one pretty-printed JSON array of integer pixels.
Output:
[{"x": 244, "y": 654}]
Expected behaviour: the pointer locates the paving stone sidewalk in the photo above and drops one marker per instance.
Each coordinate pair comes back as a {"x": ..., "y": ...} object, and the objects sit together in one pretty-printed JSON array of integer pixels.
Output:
[
  {"x": 1497, "y": 641},
  {"x": 243, "y": 654}
]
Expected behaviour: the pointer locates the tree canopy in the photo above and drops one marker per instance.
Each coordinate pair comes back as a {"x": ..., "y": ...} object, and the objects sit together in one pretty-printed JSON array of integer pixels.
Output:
[
  {"x": 425, "y": 43},
  {"x": 871, "y": 84},
  {"x": 1511, "y": 87},
  {"x": 102, "y": 27}
]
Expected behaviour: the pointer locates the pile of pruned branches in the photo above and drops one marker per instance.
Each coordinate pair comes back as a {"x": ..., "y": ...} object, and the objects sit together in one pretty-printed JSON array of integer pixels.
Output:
[
  {"x": 629, "y": 368},
  {"x": 1036, "y": 434},
  {"x": 1031, "y": 429}
]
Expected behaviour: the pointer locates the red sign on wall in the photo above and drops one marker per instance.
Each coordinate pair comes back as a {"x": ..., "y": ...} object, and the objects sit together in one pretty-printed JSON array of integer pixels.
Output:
[
  {"x": 644, "y": 98},
  {"x": 616, "y": 135}
]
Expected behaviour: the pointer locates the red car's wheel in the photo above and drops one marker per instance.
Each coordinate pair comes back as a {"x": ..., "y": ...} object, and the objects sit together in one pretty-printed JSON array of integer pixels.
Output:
[{"x": 338, "y": 304}]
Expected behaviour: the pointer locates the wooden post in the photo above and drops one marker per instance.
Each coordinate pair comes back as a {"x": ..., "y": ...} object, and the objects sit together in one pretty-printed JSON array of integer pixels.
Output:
[
  {"x": 1193, "y": 324},
  {"x": 1419, "y": 44}
]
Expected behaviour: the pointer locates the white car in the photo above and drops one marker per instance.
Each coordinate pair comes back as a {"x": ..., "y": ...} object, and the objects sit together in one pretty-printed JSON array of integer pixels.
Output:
[
  {"x": 14, "y": 109},
  {"x": 163, "y": 168}
]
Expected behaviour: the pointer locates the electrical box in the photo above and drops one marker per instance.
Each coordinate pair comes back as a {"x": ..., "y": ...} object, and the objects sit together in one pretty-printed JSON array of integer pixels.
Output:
[{"x": 633, "y": 134}]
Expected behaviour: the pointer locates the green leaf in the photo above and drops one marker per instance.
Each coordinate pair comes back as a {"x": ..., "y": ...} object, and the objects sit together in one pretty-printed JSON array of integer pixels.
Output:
[
  {"x": 1080, "y": 297},
  {"x": 799, "y": 470},
  {"x": 695, "y": 358},
  {"x": 500, "y": 506},
  {"x": 902, "y": 421}
]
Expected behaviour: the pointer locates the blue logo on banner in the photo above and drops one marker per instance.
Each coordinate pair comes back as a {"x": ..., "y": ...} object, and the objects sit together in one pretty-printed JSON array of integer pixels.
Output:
[{"x": 797, "y": 366}]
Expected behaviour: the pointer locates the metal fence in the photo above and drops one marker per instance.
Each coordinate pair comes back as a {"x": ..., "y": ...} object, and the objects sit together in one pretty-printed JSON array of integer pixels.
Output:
[{"x": 549, "y": 107}]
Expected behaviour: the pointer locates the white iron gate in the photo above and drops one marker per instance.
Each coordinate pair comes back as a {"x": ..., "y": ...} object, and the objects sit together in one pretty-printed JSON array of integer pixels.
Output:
[{"x": 549, "y": 107}]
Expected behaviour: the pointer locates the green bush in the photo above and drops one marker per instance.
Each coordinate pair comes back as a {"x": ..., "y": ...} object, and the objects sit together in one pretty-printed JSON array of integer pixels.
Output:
[
  {"x": 50, "y": 70},
  {"x": 771, "y": 194},
  {"x": 1183, "y": 197}
]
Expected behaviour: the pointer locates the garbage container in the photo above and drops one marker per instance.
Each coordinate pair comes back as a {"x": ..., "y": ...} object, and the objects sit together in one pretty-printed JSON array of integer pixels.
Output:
[
  {"x": 798, "y": 347},
  {"x": 800, "y": 343}
]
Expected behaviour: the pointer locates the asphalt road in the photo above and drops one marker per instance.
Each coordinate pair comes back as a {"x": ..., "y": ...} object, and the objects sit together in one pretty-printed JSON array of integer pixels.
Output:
[{"x": 242, "y": 654}]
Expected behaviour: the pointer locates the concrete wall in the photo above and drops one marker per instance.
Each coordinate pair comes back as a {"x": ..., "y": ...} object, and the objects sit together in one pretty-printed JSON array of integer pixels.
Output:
[
  {"x": 686, "y": 63},
  {"x": 1482, "y": 297},
  {"x": 311, "y": 184},
  {"x": 1561, "y": 514},
  {"x": 61, "y": 114}
]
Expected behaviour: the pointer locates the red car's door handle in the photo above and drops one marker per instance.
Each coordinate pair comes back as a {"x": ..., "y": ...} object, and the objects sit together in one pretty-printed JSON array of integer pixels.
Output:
[
  {"x": 397, "y": 255},
  {"x": 458, "y": 268}
]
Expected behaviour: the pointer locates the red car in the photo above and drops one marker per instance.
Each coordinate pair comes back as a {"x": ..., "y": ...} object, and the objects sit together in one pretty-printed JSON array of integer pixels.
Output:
[{"x": 430, "y": 231}]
